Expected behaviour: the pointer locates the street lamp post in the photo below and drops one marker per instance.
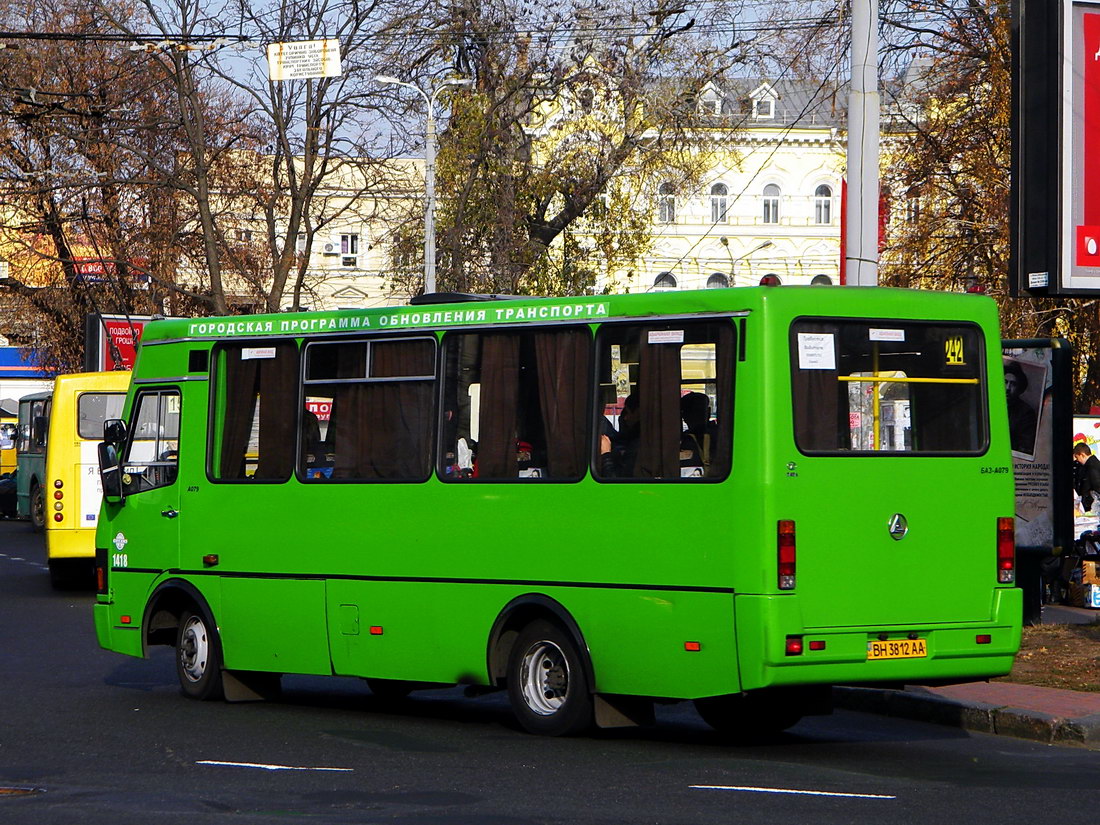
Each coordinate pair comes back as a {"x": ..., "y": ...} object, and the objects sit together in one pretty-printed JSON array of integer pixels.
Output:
[
  {"x": 429, "y": 167},
  {"x": 734, "y": 261}
]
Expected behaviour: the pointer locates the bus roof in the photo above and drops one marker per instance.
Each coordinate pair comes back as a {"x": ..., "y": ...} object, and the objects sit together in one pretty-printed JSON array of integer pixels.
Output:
[{"x": 489, "y": 311}]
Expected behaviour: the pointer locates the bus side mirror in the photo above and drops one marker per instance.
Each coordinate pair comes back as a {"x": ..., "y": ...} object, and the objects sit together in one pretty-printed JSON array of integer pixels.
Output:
[
  {"x": 110, "y": 475},
  {"x": 114, "y": 431}
]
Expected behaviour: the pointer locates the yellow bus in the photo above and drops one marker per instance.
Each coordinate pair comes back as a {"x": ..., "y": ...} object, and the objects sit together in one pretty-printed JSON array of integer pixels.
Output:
[{"x": 70, "y": 491}]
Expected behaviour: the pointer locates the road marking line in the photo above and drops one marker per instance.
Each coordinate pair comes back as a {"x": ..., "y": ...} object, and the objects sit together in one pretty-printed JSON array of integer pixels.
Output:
[
  {"x": 789, "y": 791},
  {"x": 268, "y": 767}
]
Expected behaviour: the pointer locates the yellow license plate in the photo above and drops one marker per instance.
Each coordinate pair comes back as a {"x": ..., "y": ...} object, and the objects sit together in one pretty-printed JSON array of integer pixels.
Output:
[{"x": 898, "y": 649}]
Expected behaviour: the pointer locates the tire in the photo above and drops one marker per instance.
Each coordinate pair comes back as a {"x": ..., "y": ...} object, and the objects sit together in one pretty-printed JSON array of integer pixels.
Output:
[
  {"x": 547, "y": 685},
  {"x": 38, "y": 508},
  {"x": 745, "y": 717},
  {"x": 198, "y": 657}
]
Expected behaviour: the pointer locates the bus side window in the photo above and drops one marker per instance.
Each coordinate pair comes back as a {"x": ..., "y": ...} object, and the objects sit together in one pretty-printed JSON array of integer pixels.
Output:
[
  {"x": 514, "y": 405},
  {"x": 665, "y": 401},
  {"x": 152, "y": 455},
  {"x": 379, "y": 397},
  {"x": 257, "y": 388}
]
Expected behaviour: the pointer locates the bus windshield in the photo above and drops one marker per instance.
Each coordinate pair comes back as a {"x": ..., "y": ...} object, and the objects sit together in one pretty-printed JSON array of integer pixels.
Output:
[{"x": 887, "y": 387}]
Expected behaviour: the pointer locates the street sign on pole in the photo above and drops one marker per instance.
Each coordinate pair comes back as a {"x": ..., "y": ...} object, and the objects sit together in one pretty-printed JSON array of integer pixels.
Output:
[{"x": 304, "y": 59}]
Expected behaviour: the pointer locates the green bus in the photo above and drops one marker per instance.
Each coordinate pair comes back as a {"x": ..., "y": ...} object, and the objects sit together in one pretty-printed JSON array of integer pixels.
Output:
[{"x": 739, "y": 497}]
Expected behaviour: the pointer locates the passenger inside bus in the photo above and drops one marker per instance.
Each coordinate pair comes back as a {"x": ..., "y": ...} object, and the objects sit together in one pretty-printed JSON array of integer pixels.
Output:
[
  {"x": 619, "y": 448},
  {"x": 317, "y": 453},
  {"x": 695, "y": 445}
]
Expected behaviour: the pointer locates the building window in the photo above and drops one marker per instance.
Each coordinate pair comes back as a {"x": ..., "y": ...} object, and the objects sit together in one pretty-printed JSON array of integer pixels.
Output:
[
  {"x": 771, "y": 203},
  {"x": 666, "y": 280},
  {"x": 243, "y": 235},
  {"x": 912, "y": 205},
  {"x": 666, "y": 204},
  {"x": 719, "y": 203},
  {"x": 763, "y": 109},
  {"x": 349, "y": 249},
  {"x": 823, "y": 205},
  {"x": 709, "y": 104},
  {"x": 717, "y": 281},
  {"x": 300, "y": 243}
]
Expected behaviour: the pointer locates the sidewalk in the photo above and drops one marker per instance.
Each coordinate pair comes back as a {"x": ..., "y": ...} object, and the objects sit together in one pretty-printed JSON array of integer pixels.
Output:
[{"x": 1062, "y": 717}]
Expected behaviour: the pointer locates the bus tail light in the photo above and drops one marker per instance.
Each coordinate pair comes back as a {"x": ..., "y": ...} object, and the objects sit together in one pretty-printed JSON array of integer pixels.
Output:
[
  {"x": 785, "y": 551},
  {"x": 1006, "y": 551},
  {"x": 58, "y": 517},
  {"x": 101, "y": 557}
]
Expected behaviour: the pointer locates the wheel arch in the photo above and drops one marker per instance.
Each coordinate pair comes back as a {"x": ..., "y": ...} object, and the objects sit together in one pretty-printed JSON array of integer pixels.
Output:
[
  {"x": 164, "y": 609},
  {"x": 516, "y": 615}
]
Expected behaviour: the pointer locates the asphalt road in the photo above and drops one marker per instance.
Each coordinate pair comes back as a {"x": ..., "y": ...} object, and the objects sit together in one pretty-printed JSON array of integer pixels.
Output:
[{"x": 88, "y": 736}]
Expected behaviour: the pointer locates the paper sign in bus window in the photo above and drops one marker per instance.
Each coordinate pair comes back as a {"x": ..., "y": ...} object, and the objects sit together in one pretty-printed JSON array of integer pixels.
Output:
[
  {"x": 886, "y": 334},
  {"x": 816, "y": 351}
]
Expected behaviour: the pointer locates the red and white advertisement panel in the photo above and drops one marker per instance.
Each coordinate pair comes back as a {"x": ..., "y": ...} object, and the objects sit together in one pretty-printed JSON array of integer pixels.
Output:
[
  {"x": 123, "y": 334},
  {"x": 1081, "y": 144}
]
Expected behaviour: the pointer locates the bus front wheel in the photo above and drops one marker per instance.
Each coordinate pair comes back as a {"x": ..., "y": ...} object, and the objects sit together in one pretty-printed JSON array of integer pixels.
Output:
[
  {"x": 38, "y": 508},
  {"x": 198, "y": 657},
  {"x": 547, "y": 686}
]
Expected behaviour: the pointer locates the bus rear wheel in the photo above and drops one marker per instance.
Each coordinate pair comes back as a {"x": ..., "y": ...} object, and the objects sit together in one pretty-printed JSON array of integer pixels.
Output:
[
  {"x": 198, "y": 657},
  {"x": 38, "y": 508},
  {"x": 547, "y": 686}
]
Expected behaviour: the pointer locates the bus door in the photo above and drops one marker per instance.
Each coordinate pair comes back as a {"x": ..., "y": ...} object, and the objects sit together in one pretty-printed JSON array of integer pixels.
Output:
[{"x": 149, "y": 523}]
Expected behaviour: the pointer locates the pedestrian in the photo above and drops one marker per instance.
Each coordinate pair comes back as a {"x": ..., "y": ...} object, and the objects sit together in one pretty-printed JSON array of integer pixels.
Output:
[{"x": 1088, "y": 481}]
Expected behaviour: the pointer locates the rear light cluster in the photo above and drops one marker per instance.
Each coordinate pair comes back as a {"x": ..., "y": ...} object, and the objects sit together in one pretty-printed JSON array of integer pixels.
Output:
[
  {"x": 58, "y": 505},
  {"x": 785, "y": 553},
  {"x": 1006, "y": 551}
]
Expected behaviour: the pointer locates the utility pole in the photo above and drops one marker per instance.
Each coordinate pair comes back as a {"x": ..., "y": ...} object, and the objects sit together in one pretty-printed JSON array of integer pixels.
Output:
[
  {"x": 429, "y": 167},
  {"x": 861, "y": 252}
]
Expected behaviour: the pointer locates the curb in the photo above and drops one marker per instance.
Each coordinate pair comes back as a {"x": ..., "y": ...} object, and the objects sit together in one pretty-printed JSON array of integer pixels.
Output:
[{"x": 920, "y": 704}]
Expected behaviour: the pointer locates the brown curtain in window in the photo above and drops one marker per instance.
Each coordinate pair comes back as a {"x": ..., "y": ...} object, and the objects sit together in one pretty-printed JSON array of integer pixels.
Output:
[
  {"x": 399, "y": 442},
  {"x": 562, "y": 362},
  {"x": 496, "y": 444},
  {"x": 659, "y": 408},
  {"x": 278, "y": 413},
  {"x": 240, "y": 387},
  {"x": 817, "y": 395},
  {"x": 724, "y": 366},
  {"x": 349, "y": 414}
]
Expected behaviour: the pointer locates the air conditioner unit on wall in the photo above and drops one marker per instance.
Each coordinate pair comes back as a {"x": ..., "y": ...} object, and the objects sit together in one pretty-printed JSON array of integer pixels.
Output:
[{"x": 331, "y": 249}]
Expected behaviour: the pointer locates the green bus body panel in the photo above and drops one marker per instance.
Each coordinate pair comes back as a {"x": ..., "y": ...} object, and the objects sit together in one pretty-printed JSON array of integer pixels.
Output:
[
  {"x": 305, "y": 571},
  {"x": 437, "y": 632},
  {"x": 291, "y": 638}
]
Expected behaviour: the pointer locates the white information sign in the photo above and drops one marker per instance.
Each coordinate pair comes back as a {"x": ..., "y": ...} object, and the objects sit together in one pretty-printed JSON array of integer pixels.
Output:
[
  {"x": 816, "y": 351},
  {"x": 304, "y": 59}
]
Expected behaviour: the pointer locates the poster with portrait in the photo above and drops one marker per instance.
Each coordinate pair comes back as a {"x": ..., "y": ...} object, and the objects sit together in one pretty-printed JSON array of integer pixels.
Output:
[{"x": 1029, "y": 395}]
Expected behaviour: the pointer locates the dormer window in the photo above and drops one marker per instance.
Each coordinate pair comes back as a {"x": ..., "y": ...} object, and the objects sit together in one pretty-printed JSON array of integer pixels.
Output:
[
  {"x": 710, "y": 104},
  {"x": 763, "y": 108}
]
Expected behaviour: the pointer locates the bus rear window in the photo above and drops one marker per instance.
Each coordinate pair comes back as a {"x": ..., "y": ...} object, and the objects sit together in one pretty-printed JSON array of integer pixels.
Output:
[
  {"x": 873, "y": 387},
  {"x": 93, "y": 408}
]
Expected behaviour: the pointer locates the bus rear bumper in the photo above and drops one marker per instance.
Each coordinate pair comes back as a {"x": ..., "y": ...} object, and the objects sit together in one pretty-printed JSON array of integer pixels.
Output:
[
  {"x": 70, "y": 543},
  {"x": 112, "y": 635},
  {"x": 961, "y": 651}
]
